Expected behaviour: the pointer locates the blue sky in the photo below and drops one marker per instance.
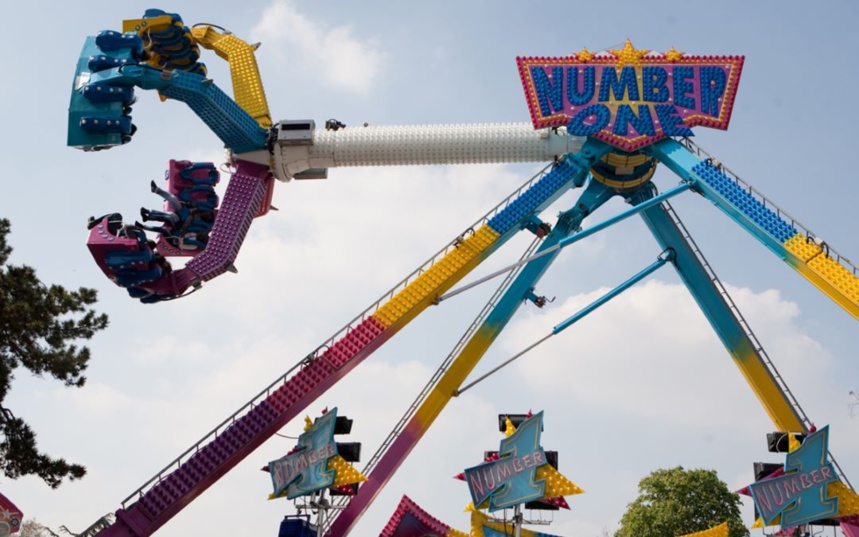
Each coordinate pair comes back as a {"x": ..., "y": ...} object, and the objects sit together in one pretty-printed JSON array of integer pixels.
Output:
[{"x": 641, "y": 384}]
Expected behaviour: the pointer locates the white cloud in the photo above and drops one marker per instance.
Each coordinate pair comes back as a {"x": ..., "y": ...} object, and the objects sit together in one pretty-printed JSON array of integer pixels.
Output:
[
  {"x": 333, "y": 53},
  {"x": 650, "y": 353}
]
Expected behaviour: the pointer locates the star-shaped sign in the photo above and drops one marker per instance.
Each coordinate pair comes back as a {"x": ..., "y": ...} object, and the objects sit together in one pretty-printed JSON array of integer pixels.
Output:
[
  {"x": 519, "y": 473},
  {"x": 801, "y": 494},
  {"x": 313, "y": 464}
]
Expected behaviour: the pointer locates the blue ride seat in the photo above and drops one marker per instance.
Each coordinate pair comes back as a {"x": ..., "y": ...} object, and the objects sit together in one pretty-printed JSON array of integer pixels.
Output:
[
  {"x": 111, "y": 41},
  {"x": 154, "y": 12},
  {"x": 102, "y": 62},
  {"x": 103, "y": 92},
  {"x": 101, "y": 99},
  {"x": 134, "y": 278},
  {"x": 175, "y": 45},
  {"x": 200, "y": 196},
  {"x": 198, "y": 225},
  {"x": 191, "y": 173},
  {"x": 106, "y": 125},
  {"x": 119, "y": 260},
  {"x": 152, "y": 298}
]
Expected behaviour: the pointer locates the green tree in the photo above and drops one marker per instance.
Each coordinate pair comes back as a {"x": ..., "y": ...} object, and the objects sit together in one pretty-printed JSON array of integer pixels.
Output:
[
  {"x": 40, "y": 329},
  {"x": 678, "y": 502}
]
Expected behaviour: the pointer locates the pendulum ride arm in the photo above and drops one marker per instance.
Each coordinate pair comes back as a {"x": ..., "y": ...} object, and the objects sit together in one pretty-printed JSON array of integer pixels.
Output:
[
  {"x": 446, "y": 388},
  {"x": 809, "y": 255},
  {"x": 167, "y": 493},
  {"x": 714, "y": 302},
  {"x": 731, "y": 328},
  {"x": 310, "y": 152}
]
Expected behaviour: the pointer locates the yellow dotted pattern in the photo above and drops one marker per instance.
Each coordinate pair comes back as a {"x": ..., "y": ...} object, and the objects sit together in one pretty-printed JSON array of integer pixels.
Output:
[
  {"x": 717, "y": 531},
  {"x": 438, "y": 278},
  {"x": 456, "y": 533},
  {"x": 802, "y": 248},
  {"x": 247, "y": 84},
  {"x": 844, "y": 284},
  {"x": 556, "y": 484},
  {"x": 478, "y": 519},
  {"x": 848, "y": 501},
  {"x": 346, "y": 474},
  {"x": 838, "y": 276}
]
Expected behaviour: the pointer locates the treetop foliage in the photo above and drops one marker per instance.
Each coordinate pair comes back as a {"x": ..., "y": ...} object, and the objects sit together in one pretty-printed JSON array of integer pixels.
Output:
[
  {"x": 674, "y": 502},
  {"x": 41, "y": 328}
]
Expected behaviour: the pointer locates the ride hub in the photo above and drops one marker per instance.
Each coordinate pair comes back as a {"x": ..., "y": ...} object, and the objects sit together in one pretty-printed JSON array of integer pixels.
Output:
[{"x": 629, "y": 97}]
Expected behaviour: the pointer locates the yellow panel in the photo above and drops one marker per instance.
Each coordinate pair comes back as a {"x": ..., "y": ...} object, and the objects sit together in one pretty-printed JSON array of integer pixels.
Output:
[
  {"x": 141, "y": 26},
  {"x": 802, "y": 248},
  {"x": 848, "y": 501},
  {"x": 838, "y": 276},
  {"x": 437, "y": 279},
  {"x": 247, "y": 85},
  {"x": 717, "y": 531},
  {"x": 826, "y": 273}
]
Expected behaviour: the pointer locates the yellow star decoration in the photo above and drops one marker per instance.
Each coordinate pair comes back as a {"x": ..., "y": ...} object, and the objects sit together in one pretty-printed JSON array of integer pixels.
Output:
[
  {"x": 556, "y": 484},
  {"x": 346, "y": 473},
  {"x": 792, "y": 442},
  {"x": 308, "y": 423},
  {"x": 509, "y": 428},
  {"x": 585, "y": 55},
  {"x": 673, "y": 55},
  {"x": 716, "y": 531},
  {"x": 629, "y": 55}
]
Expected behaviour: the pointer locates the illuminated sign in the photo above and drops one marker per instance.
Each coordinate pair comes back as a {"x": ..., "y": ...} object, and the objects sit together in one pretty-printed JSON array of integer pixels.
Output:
[
  {"x": 511, "y": 479},
  {"x": 10, "y": 517},
  {"x": 630, "y": 98},
  {"x": 800, "y": 494},
  {"x": 306, "y": 469}
]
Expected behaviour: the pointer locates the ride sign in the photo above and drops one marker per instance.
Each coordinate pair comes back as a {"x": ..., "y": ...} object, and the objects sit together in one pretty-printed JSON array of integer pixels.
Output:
[
  {"x": 511, "y": 479},
  {"x": 800, "y": 495},
  {"x": 306, "y": 469},
  {"x": 630, "y": 98}
]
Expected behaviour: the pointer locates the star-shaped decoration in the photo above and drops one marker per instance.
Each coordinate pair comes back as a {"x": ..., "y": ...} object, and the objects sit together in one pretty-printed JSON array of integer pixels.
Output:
[
  {"x": 498, "y": 482},
  {"x": 585, "y": 55},
  {"x": 673, "y": 55},
  {"x": 314, "y": 463},
  {"x": 807, "y": 487},
  {"x": 629, "y": 55}
]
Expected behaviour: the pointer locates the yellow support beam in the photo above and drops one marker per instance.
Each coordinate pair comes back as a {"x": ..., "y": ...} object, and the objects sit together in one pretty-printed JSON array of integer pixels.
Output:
[{"x": 248, "y": 91}]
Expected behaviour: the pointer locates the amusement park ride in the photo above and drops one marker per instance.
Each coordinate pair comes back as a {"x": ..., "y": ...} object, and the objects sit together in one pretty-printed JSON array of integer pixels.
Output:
[{"x": 602, "y": 121}]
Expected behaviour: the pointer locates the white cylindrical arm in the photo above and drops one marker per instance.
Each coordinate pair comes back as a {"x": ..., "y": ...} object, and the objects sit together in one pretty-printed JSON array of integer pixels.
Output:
[{"x": 423, "y": 145}]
